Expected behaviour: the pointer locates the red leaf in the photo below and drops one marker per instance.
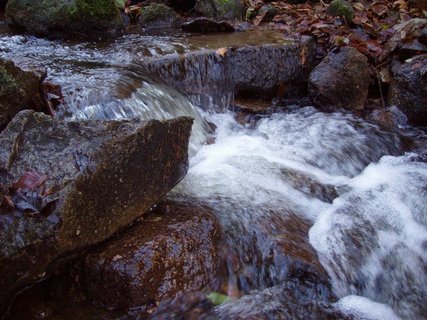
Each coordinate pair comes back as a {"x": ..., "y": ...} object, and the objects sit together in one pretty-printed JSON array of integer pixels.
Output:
[{"x": 29, "y": 181}]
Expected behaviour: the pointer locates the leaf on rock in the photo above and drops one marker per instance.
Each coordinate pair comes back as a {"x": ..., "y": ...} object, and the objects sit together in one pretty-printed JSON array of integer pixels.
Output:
[
  {"x": 30, "y": 181},
  {"x": 221, "y": 52},
  {"x": 217, "y": 298}
]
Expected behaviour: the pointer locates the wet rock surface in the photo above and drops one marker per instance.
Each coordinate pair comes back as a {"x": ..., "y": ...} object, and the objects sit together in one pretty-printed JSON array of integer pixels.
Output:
[
  {"x": 172, "y": 251},
  {"x": 292, "y": 300},
  {"x": 67, "y": 186},
  {"x": 64, "y": 18},
  {"x": 254, "y": 71},
  {"x": 341, "y": 80},
  {"x": 408, "y": 90},
  {"x": 20, "y": 89}
]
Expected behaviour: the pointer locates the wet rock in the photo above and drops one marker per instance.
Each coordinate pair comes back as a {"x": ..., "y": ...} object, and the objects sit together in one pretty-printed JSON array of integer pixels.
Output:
[
  {"x": 268, "y": 12},
  {"x": 158, "y": 15},
  {"x": 423, "y": 37},
  {"x": 220, "y": 9},
  {"x": 309, "y": 185},
  {"x": 67, "y": 186},
  {"x": 341, "y": 8},
  {"x": 64, "y": 18},
  {"x": 291, "y": 300},
  {"x": 388, "y": 118},
  {"x": 247, "y": 71},
  {"x": 341, "y": 80},
  {"x": 205, "y": 25},
  {"x": 172, "y": 251},
  {"x": 408, "y": 89},
  {"x": 20, "y": 89}
]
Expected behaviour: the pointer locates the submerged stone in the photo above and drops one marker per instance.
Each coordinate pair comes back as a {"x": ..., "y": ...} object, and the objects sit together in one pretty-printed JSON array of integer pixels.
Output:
[
  {"x": 66, "y": 186},
  {"x": 64, "y": 17}
]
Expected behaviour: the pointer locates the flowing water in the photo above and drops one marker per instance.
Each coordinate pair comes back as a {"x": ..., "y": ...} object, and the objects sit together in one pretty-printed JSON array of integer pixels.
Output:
[{"x": 327, "y": 189}]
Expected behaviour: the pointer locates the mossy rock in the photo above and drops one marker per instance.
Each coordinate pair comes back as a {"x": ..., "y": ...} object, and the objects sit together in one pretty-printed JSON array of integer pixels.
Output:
[
  {"x": 64, "y": 18},
  {"x": 221, "y": 9},
  {"x": 158, "y": 15},
  {"x": 341, "y": 8}
]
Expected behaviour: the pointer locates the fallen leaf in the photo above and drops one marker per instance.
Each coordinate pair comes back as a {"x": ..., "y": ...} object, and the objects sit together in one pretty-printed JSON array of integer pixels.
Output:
[
  {"x": 30, "y": 181},
  {"x": 221, "y": 52}
]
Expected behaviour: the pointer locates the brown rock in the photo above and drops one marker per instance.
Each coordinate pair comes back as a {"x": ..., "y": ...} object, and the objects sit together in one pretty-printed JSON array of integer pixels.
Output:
[
  {"x": 341, "y": 80},
  {"x": 173, "y": 251},
  {"x": 72, "y": 185},
  {"x": 20, "y": 89}
]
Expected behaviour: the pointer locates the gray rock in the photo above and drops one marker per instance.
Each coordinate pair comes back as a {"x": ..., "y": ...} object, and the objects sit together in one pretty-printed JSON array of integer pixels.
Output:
[
  {"x": 341, "y": 80},
  {"x": 220, "y": 9},
  {"x": 20, "y": 89},
  {"x": 67, "y": 186},
  {"x": 408, "y": 89},
  {"x": 64, "y": 17}
]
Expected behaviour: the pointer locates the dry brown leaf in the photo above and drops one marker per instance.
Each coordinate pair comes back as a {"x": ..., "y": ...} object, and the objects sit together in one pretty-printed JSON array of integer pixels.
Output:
[
  {"x": 358, "y": 6},
  {"x": 221, "y": 52}
]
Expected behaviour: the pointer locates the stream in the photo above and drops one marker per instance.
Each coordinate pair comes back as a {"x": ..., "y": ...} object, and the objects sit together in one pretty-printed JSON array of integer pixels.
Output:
[{"x": 337, "y": 192}]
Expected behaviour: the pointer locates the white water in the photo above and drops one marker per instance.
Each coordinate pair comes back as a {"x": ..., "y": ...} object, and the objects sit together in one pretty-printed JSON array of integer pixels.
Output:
[{"x": 373, "y": 239}]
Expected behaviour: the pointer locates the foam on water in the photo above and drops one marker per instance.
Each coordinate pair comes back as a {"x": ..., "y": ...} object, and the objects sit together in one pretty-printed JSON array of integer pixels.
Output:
[
  {"x": 254, "y": 175},
  {"x": 362, "y": 308},
  {"x": 373, "y": 239}
]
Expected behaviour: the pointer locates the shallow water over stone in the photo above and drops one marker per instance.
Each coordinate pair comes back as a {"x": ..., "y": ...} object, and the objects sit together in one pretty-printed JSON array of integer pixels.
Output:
[{"x": 321, "y": 213}]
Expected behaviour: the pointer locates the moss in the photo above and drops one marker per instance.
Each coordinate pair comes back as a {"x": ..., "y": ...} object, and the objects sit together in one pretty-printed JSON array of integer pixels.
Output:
[
  {"x": 220, "y": 9},
  {"x": 155, "y": 11},
  {"x": 48, "y": 17},
  {"x": 341, "y": 8},
  {"x": 157, "y": 14}
]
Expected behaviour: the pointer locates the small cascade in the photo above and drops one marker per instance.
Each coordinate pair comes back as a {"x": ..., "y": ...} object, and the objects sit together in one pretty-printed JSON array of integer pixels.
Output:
[
  {"x": 278, "y": 176},
  {"x": 135, "y": 97}
]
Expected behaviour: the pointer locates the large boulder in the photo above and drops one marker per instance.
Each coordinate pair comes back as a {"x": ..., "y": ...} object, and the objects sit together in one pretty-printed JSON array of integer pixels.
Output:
[
  {"x": 341, "y": 80},
  {"x": 408, "y": 90},
  {"x": 64, "y": 17},
  {"x": 172, "y": 251},
  {"x": 66, "y": 186},
  {"x": 220, "y": 9},
  {"x": 19, "y": 89}
]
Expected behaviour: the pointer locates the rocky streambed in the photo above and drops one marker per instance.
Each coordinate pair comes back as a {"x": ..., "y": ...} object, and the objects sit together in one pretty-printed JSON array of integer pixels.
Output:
[{"x": 295, "y": 196}]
